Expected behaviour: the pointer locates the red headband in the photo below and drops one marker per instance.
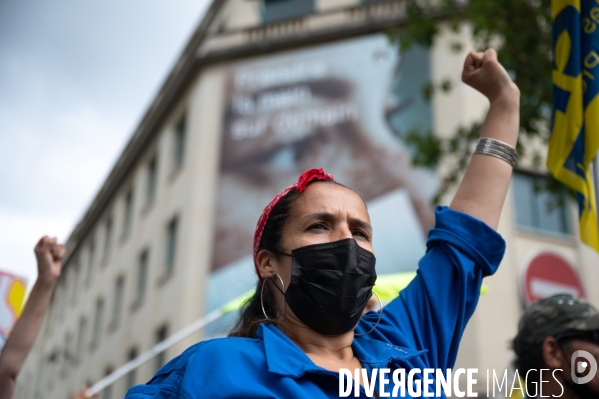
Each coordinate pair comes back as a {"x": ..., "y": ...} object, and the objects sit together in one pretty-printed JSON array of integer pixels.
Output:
[{"x": 305, "y": 178}]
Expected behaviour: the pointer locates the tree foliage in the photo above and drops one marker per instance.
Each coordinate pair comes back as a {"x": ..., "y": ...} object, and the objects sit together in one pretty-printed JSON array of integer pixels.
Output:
[{"x": 521, "y": 32}]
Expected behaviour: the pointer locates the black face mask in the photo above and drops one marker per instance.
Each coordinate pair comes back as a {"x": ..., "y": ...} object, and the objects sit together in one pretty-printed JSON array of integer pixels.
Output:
[{"x": 330, "y": 285}]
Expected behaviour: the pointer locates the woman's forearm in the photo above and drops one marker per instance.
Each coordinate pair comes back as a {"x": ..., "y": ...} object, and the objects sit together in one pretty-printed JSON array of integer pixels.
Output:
[
  {"x": 485, "y": 184},
  {"x": 23, "y": 336}
]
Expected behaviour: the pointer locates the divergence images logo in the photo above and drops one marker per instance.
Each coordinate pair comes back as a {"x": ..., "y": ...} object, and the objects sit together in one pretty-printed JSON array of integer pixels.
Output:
[{"x": 581, "y": 366}]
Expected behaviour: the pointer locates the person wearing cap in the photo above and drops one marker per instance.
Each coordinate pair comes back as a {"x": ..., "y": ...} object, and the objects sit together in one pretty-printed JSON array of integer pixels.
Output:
[
  {"x": 550, "y": 331},
  {"x": 316, "y": 268}
]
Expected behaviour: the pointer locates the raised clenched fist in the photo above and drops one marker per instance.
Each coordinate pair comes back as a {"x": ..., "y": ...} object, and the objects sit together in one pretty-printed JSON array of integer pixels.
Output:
[
  {"x": 49, "y": 256},
  {"x": 483, "y": 72}
]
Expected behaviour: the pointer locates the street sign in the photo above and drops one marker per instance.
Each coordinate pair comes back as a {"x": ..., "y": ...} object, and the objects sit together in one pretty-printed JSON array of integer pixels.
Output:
[{"x": 548, "y": 274}]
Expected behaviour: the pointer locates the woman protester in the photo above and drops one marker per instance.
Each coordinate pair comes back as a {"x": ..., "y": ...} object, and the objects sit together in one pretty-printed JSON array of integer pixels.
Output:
[
  {"x": 316, "y": 269},
  {"x": 49, "y": 256}
]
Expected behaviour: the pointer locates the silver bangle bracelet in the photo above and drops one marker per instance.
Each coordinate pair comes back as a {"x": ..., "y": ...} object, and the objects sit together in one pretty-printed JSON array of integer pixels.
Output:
[
  {"x": 498, "y": 145},
  {"x": 498, "y": 149}
]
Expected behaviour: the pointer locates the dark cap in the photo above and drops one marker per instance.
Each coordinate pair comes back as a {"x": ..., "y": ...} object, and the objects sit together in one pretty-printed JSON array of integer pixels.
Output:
[{"x": 552, "y": 317}]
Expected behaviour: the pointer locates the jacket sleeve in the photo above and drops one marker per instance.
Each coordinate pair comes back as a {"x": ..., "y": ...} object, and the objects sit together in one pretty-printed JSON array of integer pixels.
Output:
[{"x": 432, "y": 311}]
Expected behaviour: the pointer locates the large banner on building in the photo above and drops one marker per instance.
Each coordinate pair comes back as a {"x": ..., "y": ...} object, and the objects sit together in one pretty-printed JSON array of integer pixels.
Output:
[
  {"x": 344, "y": 106},
  {"x": 12, "y": 295}
]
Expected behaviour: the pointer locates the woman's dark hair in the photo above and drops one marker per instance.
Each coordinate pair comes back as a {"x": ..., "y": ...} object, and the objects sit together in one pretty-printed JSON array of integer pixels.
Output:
[{"x": 250, "y": 314}]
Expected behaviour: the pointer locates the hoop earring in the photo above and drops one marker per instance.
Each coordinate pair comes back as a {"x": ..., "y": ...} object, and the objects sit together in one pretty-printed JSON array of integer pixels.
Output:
[
  {"x": 380, "y": 316},
  {"x": 262, "y": 297}
]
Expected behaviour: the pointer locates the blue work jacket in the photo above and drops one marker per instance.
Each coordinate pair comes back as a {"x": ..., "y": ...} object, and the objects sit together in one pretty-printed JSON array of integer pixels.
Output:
[{"x": 421, "y": 328}]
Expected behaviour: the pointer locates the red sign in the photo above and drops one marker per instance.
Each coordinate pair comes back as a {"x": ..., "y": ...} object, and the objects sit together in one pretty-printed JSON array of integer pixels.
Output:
[{"x": 549, "y": 274}]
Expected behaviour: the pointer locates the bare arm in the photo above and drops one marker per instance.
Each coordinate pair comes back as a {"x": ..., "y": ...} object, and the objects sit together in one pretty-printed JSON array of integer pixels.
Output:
[
  {"x": 49, "y": 256},
  {"x": 485, "y": 184}
]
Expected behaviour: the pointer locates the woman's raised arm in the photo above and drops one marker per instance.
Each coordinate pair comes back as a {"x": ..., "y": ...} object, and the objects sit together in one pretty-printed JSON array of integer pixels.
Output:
[
  {"x": 483, "y": 189},
  {"x": 49, "y": 256}
]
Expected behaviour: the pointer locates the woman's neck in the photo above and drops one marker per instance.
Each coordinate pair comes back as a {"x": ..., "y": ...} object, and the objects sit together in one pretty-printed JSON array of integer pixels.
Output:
[{"x": 336, "y": 347}]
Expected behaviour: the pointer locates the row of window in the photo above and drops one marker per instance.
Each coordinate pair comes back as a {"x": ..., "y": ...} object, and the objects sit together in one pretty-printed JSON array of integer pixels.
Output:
[
  {"x": 118, "y": 296},
  {"x": 77, "y": 277},
  {"x": 130, "y": 379},
  {"x": 71, "y": 284}
]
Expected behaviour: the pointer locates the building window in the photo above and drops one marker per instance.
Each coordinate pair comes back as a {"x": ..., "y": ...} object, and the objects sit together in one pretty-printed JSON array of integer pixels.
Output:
[
  {"x": 536, "y": 208},
  {"x": 79, "y": 350},
  {"x": 98, "y": 322},
  {"x": 54, "y": 358},
  {"x": 171, "y": 245},
  {"x": 68, "y": 289},
  {"x": 90, "y": 264},
  {"x": 132, "y": 375},
  {"x": 75, "y": 282},
  {"x": 128, "y": 220},
  {"x": 119, "y": 291},
  {"x": 52, "y": 312},
  {"x": 66, "y": 357},
  {"x": 179, "y": 143},
  {"x": 108, "y": 239},
  {"x": 152, "y": 179},
  {"x": 61, "y": 294},
  {"x": 161, "y": 335},
  {"x": 142, "y": 274},
  {"x": 277, "y": 10}
]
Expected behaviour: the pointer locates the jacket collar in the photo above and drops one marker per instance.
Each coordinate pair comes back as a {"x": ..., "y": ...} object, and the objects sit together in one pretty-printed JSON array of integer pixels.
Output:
[{"x": 284, "y": 357}]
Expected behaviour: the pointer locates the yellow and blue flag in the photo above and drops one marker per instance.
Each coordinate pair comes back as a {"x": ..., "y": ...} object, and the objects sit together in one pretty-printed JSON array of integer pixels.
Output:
[{"x": 575, "y": 122}]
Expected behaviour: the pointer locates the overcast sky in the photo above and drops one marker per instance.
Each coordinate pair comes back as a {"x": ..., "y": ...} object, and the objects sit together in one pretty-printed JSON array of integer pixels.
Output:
[{"x": 75, "y": 79}]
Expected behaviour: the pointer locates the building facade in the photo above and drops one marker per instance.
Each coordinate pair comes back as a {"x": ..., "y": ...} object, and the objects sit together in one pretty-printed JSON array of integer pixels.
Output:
[{"x": 263, "y": 90}]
